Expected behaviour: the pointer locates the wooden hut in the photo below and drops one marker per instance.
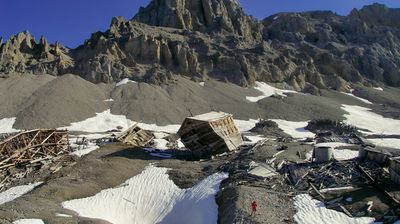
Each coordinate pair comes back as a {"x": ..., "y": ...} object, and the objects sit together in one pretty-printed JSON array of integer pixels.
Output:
[
  {"x": 135, "y": 136},
  {"x": 210, "y": 134}
]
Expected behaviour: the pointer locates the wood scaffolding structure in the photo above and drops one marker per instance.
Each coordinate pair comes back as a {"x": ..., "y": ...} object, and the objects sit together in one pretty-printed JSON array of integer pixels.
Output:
[{"x": 33, "y": 146}]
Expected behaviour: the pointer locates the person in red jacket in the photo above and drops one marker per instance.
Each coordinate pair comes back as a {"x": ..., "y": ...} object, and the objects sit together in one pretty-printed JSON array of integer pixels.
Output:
[{"x": 253, "y": 208}]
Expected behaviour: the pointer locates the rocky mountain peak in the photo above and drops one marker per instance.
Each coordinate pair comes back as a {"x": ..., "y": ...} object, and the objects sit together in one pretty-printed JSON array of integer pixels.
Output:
[
  {"x": 22, "y": 54},
  {"x": 377, "y": 15},
  {"x": 200, "y": 15}
]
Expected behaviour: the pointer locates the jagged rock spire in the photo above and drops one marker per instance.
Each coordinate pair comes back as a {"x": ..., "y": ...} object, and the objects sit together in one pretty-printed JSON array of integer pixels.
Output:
[{"x": 200, "y": 15}]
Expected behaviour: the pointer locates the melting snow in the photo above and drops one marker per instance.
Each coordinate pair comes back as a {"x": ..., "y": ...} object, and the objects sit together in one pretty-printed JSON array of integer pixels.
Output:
[
  {"x": 16, "y": 192},
  {"x": 295, "y": 129},
  {"x": 267, "y": 91},
  {"x": 63, "y": 215},
  {"x": 344, "y": 154},
  {"x": 6, "y": 125},
  {"x": 102, "y": 122},
  {"x": 105, "y": 121},
  {"x": 310, "y": 211},
  {"x": 28, "y": 221},
  {"x": 160, "y": 143},
  {"x": 124, "y": 81},
  {"x": 359, "y": 98},
  {"x": 109, "y": 100},
  {"x": 244, "y": 126},
  {"x": 151, "y": 197},
  {"x": 253, "y": 139},
  {"x": 378, "y": 88},
  {"x": 363, "y": 118},
  {"x": 202, "y": 83},
  {"x": 386, "y": 142},
  {"x": 340, "y": 154}
]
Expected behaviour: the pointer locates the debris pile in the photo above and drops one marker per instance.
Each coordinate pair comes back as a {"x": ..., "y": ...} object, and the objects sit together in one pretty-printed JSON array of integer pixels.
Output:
[
  {"x": 27, "y": 151},
  {"x": 135, "y": 136}
]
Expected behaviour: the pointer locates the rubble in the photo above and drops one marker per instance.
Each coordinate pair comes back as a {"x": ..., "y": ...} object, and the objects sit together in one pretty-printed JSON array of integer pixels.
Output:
[
  {"x": 135, "y": 136},
  {"x": 27, "y": 151}
]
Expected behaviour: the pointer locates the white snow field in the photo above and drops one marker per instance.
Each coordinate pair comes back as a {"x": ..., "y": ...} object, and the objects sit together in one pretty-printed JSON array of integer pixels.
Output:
[
  {"x": 28, "y": 221},
  {"x": 359, "y": 98},
  {"x": 311, "y": 211},
  {"x": 364, "y": 118},
  {"x": 124, "y": 82},
  {"x": 151, "y": 197},
  {"x": 294, "y": 128},
  {"x": 6, "y": 125},
  {"x": 16, "y": 192},
  {"x": 267, "y": 91}
]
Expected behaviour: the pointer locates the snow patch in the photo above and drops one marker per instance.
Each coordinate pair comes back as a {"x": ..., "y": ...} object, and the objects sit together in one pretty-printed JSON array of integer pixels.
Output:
[
  {"x": 386, "y": 142},
  {"x": 106, "y": 121},
  {"x": 359, "y": 98},
  {"x": 151, "y": 197},
  {"x": 310, "y": 211},
  {"x": 296, "y": 129},
  {"x": 102, "y": 122},
  {"x": 16, "y": 192},
  {"x": 109, "y": 100},
  {"x": 363, "y": 118},
  {"x": 253, "y": 139},
  {"x": 267, "y": 91},
  {"x": 6, "y": 125},
  {"x": 63, "y": 215},
  {"x": 378, "y": 88},
  {"x": 276, "y": 17},
  {"x": 160, "y": 144},
  {"x": 202, "y": 83},
  {"x": 340, "y": 154},
  {"x": 244, "y": 126},
  {"x": 28, "y": 221},
  {"x": 344, "y": 154},
  {"x": 124, "y": 82}
]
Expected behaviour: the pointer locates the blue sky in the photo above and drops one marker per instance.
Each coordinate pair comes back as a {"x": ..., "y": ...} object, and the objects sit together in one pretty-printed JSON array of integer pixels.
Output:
[{"x": 72, "y": 21}]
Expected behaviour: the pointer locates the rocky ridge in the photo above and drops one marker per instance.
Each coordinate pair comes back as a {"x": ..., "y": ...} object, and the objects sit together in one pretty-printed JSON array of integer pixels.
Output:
[{"x": 215, "y": 38}]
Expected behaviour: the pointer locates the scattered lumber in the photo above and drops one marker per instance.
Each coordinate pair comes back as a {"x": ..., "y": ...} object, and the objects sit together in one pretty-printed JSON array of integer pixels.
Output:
[
  {"x": 135, "y": 136},
  {"x": 27, "y": 149}
]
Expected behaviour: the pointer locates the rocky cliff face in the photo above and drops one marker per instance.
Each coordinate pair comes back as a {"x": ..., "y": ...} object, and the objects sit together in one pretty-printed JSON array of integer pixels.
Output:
[
  {"x": 22, "y": 54},
  {"x": 214, "y": 38}
]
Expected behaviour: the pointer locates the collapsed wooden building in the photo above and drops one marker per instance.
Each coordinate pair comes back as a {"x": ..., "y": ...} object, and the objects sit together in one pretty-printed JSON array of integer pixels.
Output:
[
  {"x": 210, "y": 133},
  {"x": 135, "y": 136},
  {"x": 33, "y": 145},
  {"x": 31, "y": 149}
]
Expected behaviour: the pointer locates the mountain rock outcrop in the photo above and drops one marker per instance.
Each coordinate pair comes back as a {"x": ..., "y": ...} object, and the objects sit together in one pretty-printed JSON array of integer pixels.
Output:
[
  {"x": 200, "y": 15},
  {"x": 215, "y": 38},
  {"x": 22, "y": 54}
]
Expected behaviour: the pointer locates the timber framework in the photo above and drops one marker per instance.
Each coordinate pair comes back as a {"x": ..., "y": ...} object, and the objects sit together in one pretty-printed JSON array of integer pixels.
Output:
[{"x": 31, "y": 148}]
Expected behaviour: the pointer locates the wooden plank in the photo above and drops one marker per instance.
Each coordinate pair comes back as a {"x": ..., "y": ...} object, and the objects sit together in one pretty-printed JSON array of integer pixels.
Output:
[
  {"x": 317, "y": 191},
  {"x": 377, "y": 186}
]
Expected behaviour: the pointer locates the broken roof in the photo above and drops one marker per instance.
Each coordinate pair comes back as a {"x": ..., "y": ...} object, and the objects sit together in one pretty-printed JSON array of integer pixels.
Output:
[{"x": 211, "y": 116}]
